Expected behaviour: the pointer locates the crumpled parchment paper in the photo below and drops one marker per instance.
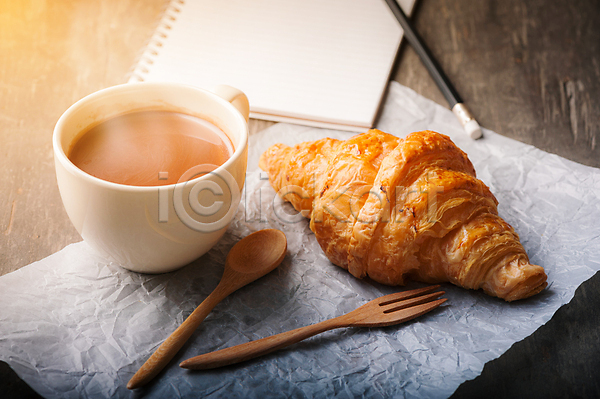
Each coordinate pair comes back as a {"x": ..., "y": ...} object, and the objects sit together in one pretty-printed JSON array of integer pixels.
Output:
[{"x": 74, "y": 325}]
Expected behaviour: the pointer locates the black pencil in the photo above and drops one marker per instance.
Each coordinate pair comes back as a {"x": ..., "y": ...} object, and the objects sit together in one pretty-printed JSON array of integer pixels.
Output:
[{"x": 456, "y": 104}]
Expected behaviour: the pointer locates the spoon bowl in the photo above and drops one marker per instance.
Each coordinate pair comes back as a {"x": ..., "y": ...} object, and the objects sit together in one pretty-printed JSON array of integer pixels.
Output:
[
  {"x": 258, "y": 253},
  {"x": 251, "y": 258}
]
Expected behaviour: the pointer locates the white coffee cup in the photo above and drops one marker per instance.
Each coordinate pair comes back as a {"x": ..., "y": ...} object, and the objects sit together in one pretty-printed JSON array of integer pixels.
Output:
[{"x": 153, "y": 229}]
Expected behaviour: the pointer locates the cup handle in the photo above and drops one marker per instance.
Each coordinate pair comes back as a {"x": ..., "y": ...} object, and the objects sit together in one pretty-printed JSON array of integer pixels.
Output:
[{"x": 236, "y": 97}]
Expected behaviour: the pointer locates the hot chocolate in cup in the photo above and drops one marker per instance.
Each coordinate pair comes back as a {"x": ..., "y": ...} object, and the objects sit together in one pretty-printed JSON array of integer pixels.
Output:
[{"x": 142, "y": 226}]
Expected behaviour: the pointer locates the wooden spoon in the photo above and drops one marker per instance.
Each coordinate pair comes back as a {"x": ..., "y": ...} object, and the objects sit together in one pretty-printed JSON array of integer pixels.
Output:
[{"x": 249, "y": 259}]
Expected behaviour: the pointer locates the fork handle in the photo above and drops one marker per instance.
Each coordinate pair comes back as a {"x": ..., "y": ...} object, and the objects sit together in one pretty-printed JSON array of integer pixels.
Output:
[{"x": 252, "y": 349}]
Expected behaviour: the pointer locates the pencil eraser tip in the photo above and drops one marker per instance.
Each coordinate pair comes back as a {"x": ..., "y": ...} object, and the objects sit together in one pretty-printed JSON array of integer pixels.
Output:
[{"x": 473, "y": 129}]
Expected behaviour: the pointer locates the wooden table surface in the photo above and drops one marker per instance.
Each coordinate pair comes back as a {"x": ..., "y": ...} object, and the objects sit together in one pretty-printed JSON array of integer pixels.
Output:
[{"x": 529, "y": 70}]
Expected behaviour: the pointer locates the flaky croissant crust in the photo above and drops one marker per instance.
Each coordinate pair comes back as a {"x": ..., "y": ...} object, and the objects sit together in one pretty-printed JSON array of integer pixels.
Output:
[{"x": 394, "y": 209}]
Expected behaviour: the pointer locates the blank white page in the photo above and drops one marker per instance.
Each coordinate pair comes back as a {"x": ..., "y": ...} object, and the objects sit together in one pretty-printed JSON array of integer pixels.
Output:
[{"x": 314, "y": 62}]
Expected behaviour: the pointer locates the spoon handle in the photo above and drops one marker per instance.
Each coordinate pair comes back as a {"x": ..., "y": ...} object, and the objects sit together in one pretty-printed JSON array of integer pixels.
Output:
[
  {"x": 169, "y": 348},
  {"x": 263, "y": 346}
]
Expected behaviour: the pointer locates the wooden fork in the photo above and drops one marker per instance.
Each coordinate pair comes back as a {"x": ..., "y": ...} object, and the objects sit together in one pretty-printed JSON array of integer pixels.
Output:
[{"x": 384, "y": 311}]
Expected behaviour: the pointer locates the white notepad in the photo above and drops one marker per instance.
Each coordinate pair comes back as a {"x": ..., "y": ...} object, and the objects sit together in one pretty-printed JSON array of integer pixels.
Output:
[{"x": 322, "y": 63}]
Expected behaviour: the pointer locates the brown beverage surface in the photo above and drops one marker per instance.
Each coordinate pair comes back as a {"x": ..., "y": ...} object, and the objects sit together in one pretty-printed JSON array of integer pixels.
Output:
[{"x": 150, "y": 148}]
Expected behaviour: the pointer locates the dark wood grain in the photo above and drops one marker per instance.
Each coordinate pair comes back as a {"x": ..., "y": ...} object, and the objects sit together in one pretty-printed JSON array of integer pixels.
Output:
[
  {"x": 529, "y": 70},
  {"x": 560, "y": 360},
  {"x": 12, "y": 386}
]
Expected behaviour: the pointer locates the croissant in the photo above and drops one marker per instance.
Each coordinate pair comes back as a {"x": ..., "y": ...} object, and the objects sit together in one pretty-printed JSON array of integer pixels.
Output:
[{"x": 396, "y": 209}]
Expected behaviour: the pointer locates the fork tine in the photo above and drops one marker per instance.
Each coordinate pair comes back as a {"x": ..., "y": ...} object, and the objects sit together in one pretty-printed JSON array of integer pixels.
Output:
[
  {"x": 408, "y": 303},
  {"x": 418, "y": 310},
  {"x": 398, "y": 296}
]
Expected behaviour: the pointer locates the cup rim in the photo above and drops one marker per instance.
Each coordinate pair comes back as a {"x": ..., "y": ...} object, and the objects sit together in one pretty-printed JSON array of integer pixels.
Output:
[{"x": 62, "y": 157}]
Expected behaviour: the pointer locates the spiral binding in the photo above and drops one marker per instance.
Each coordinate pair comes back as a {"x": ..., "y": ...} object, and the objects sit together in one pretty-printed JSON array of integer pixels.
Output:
[{"x": 144, "y": 61}]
